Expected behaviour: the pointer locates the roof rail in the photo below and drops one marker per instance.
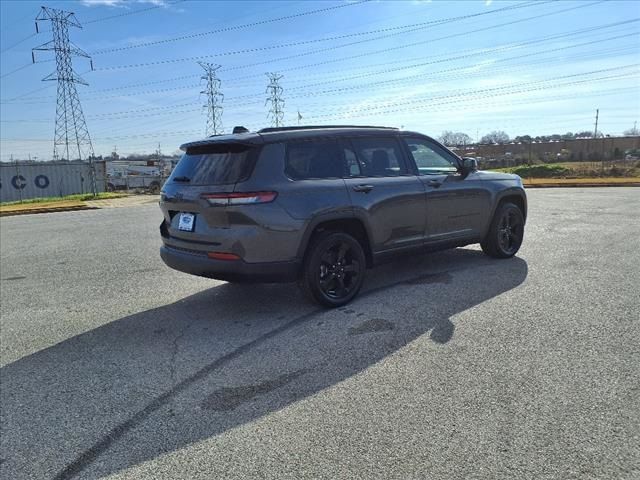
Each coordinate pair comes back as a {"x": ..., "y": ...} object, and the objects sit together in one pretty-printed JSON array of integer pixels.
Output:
[{"x": 318, "y": 127}]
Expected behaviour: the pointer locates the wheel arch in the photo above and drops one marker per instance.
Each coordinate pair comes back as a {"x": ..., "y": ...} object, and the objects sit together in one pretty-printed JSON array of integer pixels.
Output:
[
  {"x": 350, "y": 224},
  {"x": 513, "y": 195}
]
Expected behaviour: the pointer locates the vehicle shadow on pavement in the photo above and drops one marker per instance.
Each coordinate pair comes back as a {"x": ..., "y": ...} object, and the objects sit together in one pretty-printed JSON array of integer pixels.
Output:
[{"x": 160, "y": 380}]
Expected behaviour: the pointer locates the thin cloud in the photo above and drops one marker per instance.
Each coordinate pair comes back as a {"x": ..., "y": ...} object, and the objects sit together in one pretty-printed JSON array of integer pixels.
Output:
[
  {"x": 159, "y": 3},
  {"x": 103, "y": 3},
  {"x": 122, "y": 3}
]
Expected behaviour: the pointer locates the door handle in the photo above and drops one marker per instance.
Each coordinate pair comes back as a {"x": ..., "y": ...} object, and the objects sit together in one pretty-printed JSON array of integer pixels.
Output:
[
  {"x": 434, "y": 183},
  {"x": 363, "y": 188}
]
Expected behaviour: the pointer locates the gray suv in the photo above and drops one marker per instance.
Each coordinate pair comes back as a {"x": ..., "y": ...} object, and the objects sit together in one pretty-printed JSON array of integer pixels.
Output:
[{"x": 320, "y": 205}]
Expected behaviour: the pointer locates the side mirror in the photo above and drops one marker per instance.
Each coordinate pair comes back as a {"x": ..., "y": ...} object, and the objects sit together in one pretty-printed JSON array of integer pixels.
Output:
[{"x": 469, "y": 165}]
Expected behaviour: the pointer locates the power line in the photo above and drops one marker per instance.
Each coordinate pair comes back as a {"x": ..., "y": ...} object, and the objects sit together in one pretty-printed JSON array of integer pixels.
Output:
[
  {"x": 430, "y": 74},
  {"x": 19, "y": 42},
  {"x": 444, "y": 74},
  {"x": 15, "y": 70},
  {"x": 325, "y": 62},
  {"x": 231, "y": 28},
  {"x": 100, "y": 19},
  {"x": 71, "y": 129},
  {"x": 462, "y": 99},
  {"x": 276, "y": 110},
  {"x": 195, "y": 58},
  {"x": 402, "y": 79},
  {"x": 435, "y": 22},
  {"x": 464, "y": 54},
  {"x": 406, "y": 45},
  {"x": 417, "y": 104},
  {"x": 489, "y": 93},
  {"x": 340, "y": 46},
  {"x": 412, "y": 27},
  {"x": 335, "y": 47},
  {"x": 214, "y": 99},
  {"x": 134, "y": 12}
]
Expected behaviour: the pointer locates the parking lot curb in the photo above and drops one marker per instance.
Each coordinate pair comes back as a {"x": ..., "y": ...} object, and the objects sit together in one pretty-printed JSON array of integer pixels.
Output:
[
  {"x": 577, "y": 185},
  {"x": 27, "y": 211}
]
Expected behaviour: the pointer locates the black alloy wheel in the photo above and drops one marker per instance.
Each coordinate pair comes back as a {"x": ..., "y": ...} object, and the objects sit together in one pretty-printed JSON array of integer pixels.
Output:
[
  {"x": 506, "y": 232},
  {"x": 334, "y": 269},
  {"x": 510, "y": 232}
]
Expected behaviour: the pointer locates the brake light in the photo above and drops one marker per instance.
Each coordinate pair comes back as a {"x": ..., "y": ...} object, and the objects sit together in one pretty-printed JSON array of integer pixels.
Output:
[{"x": 239, "y": 198}]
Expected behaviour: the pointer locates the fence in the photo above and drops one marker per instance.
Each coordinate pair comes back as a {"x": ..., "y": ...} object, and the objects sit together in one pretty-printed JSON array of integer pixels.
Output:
[
  {"x": 25, "y": 180},
  {"x": 135, "y": 183}
]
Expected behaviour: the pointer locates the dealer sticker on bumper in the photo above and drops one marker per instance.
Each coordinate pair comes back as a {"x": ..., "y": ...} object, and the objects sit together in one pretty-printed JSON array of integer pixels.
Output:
[{"x": 186, "y": 222}]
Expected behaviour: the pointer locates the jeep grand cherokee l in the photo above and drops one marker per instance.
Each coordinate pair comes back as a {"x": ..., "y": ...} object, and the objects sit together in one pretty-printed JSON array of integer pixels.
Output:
[{"x": 319, "y": 205}]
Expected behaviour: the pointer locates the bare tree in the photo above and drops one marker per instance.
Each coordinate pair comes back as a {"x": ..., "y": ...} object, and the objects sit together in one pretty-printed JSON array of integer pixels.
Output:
[
  {"x": 454, "y": 139},
  {"x": 497, "y": 136},
  {"x": 632, "y": 132}
]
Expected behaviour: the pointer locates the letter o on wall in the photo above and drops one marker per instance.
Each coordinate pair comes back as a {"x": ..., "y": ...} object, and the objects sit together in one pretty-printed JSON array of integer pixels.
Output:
[
  {"x": 18, "y": 182},
  {"x": 41, "y": 181}
]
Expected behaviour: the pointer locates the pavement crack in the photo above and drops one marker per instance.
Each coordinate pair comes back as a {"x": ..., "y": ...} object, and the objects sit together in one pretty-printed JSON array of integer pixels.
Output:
[
  {"x": 174, "y": 352},
  {"x": 89, "y": 456}
]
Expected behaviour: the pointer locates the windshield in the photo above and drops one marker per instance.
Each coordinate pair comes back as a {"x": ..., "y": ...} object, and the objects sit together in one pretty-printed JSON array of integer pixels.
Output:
[{"x": 217, "y": 164}]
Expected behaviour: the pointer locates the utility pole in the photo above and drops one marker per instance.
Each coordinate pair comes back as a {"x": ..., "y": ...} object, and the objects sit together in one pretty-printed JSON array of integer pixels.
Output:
[
  {"x": 276, "y": 112},
  {"x": 214, "y": 98},
  {"x": 18, "y": 177},
  {"x": 71, "y": 134},
  {"x": 595, "y": 139}
]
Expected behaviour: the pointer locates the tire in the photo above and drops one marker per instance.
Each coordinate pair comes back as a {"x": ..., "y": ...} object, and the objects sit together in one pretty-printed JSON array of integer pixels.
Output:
[
  {"x": 506, "y": 232},
  {"x": 154, "y": 188},
  {"x": 334, "y": 269}
]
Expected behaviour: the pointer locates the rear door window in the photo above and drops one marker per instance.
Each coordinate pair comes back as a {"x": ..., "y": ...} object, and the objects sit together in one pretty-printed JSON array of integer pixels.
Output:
[
  {"x": 215, "y": 164},
  {"x": 315, "y": 158},
  {"x": 379, "y": 157}
]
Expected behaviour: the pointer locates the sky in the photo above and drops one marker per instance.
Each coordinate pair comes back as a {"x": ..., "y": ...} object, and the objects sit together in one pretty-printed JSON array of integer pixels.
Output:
[{"x": 473, "y": 66}]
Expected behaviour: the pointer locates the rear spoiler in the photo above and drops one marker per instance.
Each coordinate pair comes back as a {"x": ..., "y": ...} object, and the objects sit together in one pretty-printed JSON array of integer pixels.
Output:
[{"x": 224, "y": 139}]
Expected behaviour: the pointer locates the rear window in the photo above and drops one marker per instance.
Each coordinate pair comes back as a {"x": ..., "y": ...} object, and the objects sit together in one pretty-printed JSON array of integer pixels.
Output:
[
  {"x": 380, "y": 157},
  {"x": 317, "y": 158},
  {"x": 215, "y": 164}
]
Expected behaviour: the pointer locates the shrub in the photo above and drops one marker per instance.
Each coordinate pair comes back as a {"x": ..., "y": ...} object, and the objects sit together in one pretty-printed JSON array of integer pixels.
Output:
[{"x": 541, "y": 171}]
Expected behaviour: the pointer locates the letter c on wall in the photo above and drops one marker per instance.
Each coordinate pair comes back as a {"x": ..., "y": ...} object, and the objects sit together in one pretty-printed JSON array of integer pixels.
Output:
[{"x": 18, "y": 182}]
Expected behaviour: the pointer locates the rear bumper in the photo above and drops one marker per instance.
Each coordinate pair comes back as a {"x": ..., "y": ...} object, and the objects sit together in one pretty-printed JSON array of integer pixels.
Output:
[{"x": 199, "y": 264}]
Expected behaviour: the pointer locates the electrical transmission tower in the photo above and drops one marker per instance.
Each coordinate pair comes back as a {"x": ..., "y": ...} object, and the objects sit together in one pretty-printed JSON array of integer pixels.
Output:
[
  {"x": 71, "y": 133},
  {"x": 214, "y": 98},
  {"x": 276, "y": 112}
]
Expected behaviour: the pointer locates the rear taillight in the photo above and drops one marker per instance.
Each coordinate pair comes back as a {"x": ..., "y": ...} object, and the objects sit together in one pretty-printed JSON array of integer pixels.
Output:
[{"x": 239, "y": 198}]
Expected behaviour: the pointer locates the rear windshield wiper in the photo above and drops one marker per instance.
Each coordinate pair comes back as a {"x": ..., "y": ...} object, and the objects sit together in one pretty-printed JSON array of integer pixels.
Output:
[{"x": 182, "y": 179}]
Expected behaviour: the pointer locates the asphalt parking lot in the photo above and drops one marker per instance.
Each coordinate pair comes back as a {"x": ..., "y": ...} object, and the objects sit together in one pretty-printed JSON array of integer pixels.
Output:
[{"x": 448, "y": 366}]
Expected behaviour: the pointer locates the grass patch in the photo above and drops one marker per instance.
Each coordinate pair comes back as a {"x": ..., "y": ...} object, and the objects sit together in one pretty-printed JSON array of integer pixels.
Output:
[
  {"x": 80, "y": 197},
  {"x": 610, "y": 169},
  {"x": 581, "y": 181},
  {"x": 538, "y": 171}
]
